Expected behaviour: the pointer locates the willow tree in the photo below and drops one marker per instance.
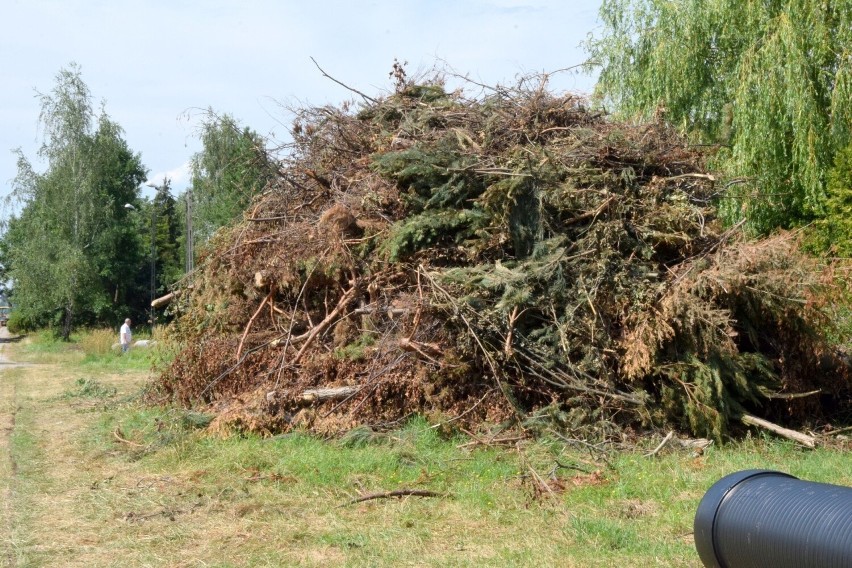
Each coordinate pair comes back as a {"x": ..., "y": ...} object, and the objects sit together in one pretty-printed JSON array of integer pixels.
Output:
[{"x": 769, "y": 81}]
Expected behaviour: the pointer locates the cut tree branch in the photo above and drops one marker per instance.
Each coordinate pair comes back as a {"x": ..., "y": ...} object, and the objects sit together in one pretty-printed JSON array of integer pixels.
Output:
[
  {"x": 337, "y": 393},
  {"x": 250, "y": 322},
  {"x": 665, "y": 441},
  {"x": 327, "y": 76},
  {"x": 804, "y": 439},
  {"x": 329, "y": 319},
  {"x": 397, "y": 493}
]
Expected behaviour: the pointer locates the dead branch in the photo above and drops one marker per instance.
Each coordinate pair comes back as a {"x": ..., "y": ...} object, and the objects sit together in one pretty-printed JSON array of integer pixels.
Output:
[
  {"x": 329, "y": 319},
  {"x": 540, "y": 483},
  {"x": 665, "y": 441},
  {"x": 368, "y": 310},
  {"x": 507, "y": 346},
  {"x": 117, "y": 434},
  {"x": 792, "y": 395},
  {"x": 396, "y": 493},
  {"x": 470, "y": 409},
  {"x": 591, "y": 214},
  {"x": 427, "y": 350},
  {"x": 250, "y": 322},
  {"x": 356, "y": 91},
  {"x": 320, "y": 395},
  {"x": 839, "y": 431},
  {"x": 163, "y": 300},
  {"x": 492, "y": 442},
  {"x": 137, "y": 517},
  {"x": 708, "y": 177},
  {"x": 541, "y": 486},
  {"x": 804, "y": 439}
]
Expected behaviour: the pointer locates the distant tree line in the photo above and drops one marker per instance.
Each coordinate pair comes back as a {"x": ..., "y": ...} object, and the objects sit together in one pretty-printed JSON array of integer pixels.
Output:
[{"x": 84, "y": 246}]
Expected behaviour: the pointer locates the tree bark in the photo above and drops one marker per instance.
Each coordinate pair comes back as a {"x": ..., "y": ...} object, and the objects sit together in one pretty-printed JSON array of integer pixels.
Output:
[
  {"x": 804, "y": 439},
  {"x": 163, "y": 300},
  {"x": 319, "y": 395}
]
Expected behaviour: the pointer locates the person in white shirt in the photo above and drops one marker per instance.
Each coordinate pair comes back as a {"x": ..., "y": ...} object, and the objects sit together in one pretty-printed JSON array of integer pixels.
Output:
[{"x": 125, "y": 335}]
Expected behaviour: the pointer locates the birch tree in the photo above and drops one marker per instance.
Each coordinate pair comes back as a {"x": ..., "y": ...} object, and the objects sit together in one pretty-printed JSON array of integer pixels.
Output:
[
  {"x": 70, "y": 247},
  {"x": 231, "y": 169}
]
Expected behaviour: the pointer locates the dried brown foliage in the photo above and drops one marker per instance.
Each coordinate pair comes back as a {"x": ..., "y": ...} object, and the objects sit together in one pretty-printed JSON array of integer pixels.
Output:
[{"x": 503, "y": 258}]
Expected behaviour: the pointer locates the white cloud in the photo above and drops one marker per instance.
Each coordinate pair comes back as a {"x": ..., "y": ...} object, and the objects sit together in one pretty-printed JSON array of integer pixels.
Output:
[{"x": 179, "y": 178}]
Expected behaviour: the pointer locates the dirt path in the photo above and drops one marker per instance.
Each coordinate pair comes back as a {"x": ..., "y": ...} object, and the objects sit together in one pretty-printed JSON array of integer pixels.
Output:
[
  {"x": 53, "y": 513},
  {"x": 7, "y": 464}
]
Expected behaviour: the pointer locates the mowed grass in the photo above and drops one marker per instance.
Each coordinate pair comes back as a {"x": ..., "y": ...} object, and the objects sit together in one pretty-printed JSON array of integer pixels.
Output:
[
  {"x": 149, "y": 486},
  {"x": 91, "y": 348},
  {"x": 292, "y": 496}
]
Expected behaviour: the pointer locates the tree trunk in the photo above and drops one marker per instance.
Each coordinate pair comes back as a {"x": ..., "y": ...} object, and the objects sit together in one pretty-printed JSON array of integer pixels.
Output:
[{"x": 68, "y": 320}]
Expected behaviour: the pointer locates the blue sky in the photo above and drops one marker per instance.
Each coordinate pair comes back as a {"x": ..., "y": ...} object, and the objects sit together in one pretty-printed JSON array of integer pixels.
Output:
[{"x": 158, "y": 65}]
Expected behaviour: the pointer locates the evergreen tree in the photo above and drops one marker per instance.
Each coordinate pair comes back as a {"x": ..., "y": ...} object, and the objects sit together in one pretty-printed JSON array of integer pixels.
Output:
[{"x": 167, "y": 236}]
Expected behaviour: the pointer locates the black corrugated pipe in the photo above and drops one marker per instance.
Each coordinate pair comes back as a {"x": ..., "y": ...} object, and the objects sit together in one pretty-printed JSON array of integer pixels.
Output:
[{"x": 761, "y": 518}]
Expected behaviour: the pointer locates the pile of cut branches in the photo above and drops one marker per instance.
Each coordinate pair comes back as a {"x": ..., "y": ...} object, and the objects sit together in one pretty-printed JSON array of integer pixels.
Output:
[{"x": 511, "y": 257}]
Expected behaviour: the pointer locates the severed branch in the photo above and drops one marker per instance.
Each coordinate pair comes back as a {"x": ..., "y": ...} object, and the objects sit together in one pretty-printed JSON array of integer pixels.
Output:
[
  {"x": 326, "y": 75},
  {"x": 665, "y": 441},
  {"x": 591, "y": 214},
  {"x": 249, "y": 324},
  {"x": 118, "y": 435},
  {"x": 329, "y": 319},
  {"x": 427, "y": 350},
  {"x": 804, "y": 439},
  {"x": 707, "y": 177},
  {"x": 507, "y": 346},
  {"x": 492, "y": 442},
  {"x": 319, "y": 395},
  {"x": 790, "y": 396},
  {"x": 369, "y": 310},
  {"x": 158, "y": 303},
  {"x": 397, "y": 493}
]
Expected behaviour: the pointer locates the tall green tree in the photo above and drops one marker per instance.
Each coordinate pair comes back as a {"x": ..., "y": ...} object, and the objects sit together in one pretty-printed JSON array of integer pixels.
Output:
[
  {"x": 168, "y": 222},
  {"x": 71, "y": 252},
  {"x": 230, "y": 170},
  {"x": 769, "y": 81}
]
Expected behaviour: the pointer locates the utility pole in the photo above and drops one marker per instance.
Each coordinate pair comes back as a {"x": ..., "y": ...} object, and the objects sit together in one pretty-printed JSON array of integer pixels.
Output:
[{"x": 153, "y": 285}]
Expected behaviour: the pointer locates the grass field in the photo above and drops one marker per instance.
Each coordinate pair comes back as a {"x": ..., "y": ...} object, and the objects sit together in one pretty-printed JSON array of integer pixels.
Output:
[{"x": 95, "y": 479}]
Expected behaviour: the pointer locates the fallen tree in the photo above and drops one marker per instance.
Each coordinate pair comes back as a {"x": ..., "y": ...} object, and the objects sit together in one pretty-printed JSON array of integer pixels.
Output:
[{"x": 514, "y": 257}]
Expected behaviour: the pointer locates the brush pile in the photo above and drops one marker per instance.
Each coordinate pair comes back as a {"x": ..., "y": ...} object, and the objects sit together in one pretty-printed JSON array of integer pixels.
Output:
[{"x": 513, "y": 257}]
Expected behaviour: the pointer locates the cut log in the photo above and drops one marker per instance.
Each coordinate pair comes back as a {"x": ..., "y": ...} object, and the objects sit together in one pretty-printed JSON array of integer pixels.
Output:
[
  {"x": 163, "y": 300},
  {"x": 428, "y": 350},
  {"x": 804, "y": 439},
  {"x": 319, "y": 395}
]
